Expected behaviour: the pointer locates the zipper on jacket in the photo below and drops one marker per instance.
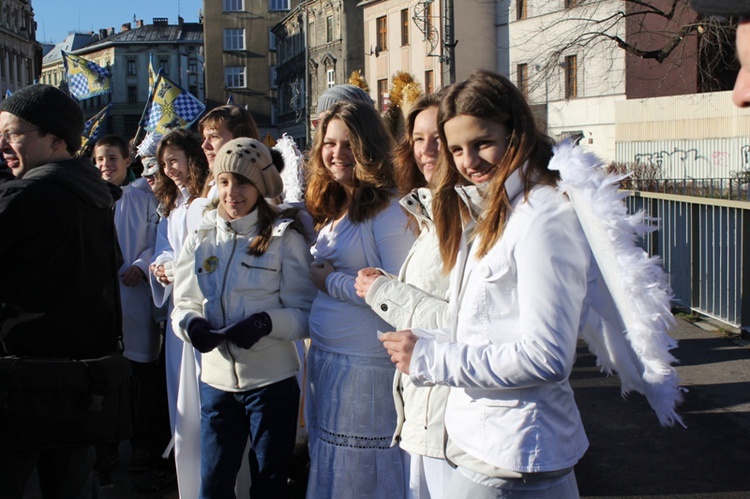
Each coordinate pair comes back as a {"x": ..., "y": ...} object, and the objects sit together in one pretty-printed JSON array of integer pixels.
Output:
[
  {"x": 427, "y": 408},
  {"x": 223, "y": 308},
  {"x": 248, "y": 266}
]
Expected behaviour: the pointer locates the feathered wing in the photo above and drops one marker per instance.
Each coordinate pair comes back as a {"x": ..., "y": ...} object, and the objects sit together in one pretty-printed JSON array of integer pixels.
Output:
[
  {"x": 630, "y": 314},
  {"x": 293, "y": 174}
]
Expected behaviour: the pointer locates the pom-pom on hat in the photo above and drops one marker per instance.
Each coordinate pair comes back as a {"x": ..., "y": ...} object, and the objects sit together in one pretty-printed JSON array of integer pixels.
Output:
[
  {"x": 251, "y": 159},
  {"x": 344, "y": 92},
  {"x": 49, "y": 109}
]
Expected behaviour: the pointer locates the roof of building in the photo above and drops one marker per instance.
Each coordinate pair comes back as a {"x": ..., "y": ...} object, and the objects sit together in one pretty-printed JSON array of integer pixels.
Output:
[
  {"x": 156, "y": 33},
  {"x": 159, "y": 32},
  {"x": 72, "y": 42}
]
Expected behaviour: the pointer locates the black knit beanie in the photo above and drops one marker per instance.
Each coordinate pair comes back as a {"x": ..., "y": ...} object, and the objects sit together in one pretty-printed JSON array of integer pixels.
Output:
[{"x": 50, "y": 110}]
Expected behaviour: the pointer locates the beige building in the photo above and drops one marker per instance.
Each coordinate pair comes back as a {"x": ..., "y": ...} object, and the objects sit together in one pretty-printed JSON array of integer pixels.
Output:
[
  {"x": 241, "y": 54},
  {"x": 417, "y": 36},
  {"x": 20, "y": 53}
]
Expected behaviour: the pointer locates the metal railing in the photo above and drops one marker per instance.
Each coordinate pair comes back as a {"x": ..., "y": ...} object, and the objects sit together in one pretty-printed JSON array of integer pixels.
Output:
[
  {"x": 716, "y": 188},
  {"x": 705, "y": 248}
]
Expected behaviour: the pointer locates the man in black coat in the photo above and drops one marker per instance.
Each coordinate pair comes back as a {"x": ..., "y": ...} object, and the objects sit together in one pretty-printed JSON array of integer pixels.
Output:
[{"x": 58, "y": 270}]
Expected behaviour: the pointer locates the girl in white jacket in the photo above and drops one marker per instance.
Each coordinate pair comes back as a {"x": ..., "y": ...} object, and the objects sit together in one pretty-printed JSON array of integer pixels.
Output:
[
  {"x": 417, "y": 297},
  {"x": 529, "y": 284},
  {"x": 516, "y": 302},
  {"x": 242, "y": 296}
]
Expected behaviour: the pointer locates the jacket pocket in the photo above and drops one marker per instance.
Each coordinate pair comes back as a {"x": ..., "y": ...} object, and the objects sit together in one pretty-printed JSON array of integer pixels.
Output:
[
  {"x": 496, "y": 398},
  {"x": 260, "y": 271},
  {"x": 500, "y": 287}
]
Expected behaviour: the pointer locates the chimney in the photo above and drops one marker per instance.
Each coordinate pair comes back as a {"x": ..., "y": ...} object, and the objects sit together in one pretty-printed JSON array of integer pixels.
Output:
[
  {"x": 139, "y": 23},
  {"x": 110, "y": 31},
  {"x": 180, "y": 21},
  {"x": 125, "y": 27}
]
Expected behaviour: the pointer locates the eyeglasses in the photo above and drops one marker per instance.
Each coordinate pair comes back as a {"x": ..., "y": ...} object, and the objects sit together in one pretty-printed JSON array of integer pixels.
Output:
[{"x": 15, "y": 135}]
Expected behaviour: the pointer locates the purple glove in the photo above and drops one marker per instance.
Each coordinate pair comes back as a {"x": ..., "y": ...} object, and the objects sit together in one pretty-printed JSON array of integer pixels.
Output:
[
  {"x": 247, "y": 332},
  {"x": 199, "y": 332}
]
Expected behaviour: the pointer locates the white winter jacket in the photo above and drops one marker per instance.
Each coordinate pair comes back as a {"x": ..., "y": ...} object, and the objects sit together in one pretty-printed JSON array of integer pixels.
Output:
[
  {"x": 417, "y": 298},
  {"x": 516, "y": 314},
  {"x": 217, "y": 279}
]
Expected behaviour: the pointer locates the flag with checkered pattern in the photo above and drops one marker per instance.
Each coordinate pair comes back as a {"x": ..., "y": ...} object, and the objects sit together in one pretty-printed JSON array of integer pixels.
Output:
[
  {"x": 93, "y": 129},
  {"x": 86, "y": 78},
  {"x": 170, "y": 106}
]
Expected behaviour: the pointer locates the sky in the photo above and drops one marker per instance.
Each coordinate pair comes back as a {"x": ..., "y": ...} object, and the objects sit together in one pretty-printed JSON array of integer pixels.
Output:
[{"x": 56, "y": 18}]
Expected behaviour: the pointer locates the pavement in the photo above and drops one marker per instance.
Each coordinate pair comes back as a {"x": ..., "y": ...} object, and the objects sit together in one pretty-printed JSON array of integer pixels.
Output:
[{"x": 630, "y": 454}]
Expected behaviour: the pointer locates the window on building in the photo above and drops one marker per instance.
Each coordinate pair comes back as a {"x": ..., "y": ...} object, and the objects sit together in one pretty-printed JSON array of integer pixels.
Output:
[
  {"x": 132, "y": 69},
  {"x": 571, "y": 77},
  {"x": 278, "y": 4},
  {"x": 383, "y": 99},
  {"x": 404, "y": 27},
  {"x": 234, "y": 39},
  {"x": 569, "y": 4},
  {"x": 234, "y": 76},
  {"x": 271, "y": 40},
  {"x": 522, "y": 79},
  {"x": 131, "y": 122},
  {"x": 382, "y": 26},
  {"x": 132, "y": 93},
  {"x": 234, "y": 5},
  {"x": 329, "y": 29},
  {"x": 164, "y": 66},
  {"x": 192, "y": 66},
  {"x": 429, "y": 82},
  {"x": 272, "y": 76},
  {"x": 427, "y": 21},
  {"x": 521, "y": 9},
  {"x": 331, "y": 78}
]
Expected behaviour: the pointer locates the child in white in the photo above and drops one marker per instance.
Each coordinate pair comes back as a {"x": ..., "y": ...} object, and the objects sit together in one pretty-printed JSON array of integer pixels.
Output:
[{"x": 242, "y": 296}]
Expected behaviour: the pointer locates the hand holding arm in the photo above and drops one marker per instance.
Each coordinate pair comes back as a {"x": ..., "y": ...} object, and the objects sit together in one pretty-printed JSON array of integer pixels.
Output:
[
  {"x": 164, "y": 273},
  {"x": 365, "y": 278},
  {"x": 319, "y": 271},
  {"x": 400, "y": 345}
]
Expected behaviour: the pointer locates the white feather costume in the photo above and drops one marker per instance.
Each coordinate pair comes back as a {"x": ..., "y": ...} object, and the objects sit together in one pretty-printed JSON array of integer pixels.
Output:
[{"x": 629, "y": 318}]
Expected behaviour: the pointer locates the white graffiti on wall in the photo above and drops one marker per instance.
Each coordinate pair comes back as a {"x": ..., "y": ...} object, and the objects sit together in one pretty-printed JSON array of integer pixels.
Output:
[{"x": 729, "y": 158}]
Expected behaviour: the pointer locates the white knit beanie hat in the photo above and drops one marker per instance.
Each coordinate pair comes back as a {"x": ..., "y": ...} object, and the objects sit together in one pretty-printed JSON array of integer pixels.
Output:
[{"x": 251, "y": 159}]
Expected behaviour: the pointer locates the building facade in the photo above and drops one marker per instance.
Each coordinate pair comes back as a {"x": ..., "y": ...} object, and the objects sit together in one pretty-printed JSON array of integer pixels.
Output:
[
  {"x": 241, "y": 56},
  {"x": 571, "y": 82},
  {"x": 291, "y": 103},
  {"x": 435, "y": 41},
  {"x": 175, "y": 48},
  {"x": 20, "y": 52},
  {"x": 319, "y": 44}
]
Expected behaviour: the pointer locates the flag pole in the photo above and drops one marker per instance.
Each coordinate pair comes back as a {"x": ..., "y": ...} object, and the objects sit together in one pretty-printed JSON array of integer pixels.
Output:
[{"x": 145, "y": 108}]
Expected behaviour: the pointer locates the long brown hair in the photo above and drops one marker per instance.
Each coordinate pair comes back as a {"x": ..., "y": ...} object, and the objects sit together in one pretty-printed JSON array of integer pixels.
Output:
[
  {"x": 408, "y": 175},
  {"x": 373, "y": 171},
  {"x": 166, "y": 191},
  {"x": 489, "y": 96}
]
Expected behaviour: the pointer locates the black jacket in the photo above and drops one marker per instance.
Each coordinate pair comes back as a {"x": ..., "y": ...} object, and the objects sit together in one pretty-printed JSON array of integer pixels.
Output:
[{"x": 58, "y": 263}]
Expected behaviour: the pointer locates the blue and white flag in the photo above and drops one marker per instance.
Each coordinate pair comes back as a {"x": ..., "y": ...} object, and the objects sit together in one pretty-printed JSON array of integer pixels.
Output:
[
  {"x": 169, "y": 107},
  {"x": 86, "y": 78}
]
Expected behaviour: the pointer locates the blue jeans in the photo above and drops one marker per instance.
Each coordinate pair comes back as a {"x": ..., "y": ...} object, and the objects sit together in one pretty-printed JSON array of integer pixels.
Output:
[
  {"x": 63, "y": 473},
  {"x": 269, "y": 416}
]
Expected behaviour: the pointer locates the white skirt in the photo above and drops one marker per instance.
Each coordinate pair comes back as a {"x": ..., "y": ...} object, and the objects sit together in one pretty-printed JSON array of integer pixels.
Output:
[{"x": 351, "y": 420}]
